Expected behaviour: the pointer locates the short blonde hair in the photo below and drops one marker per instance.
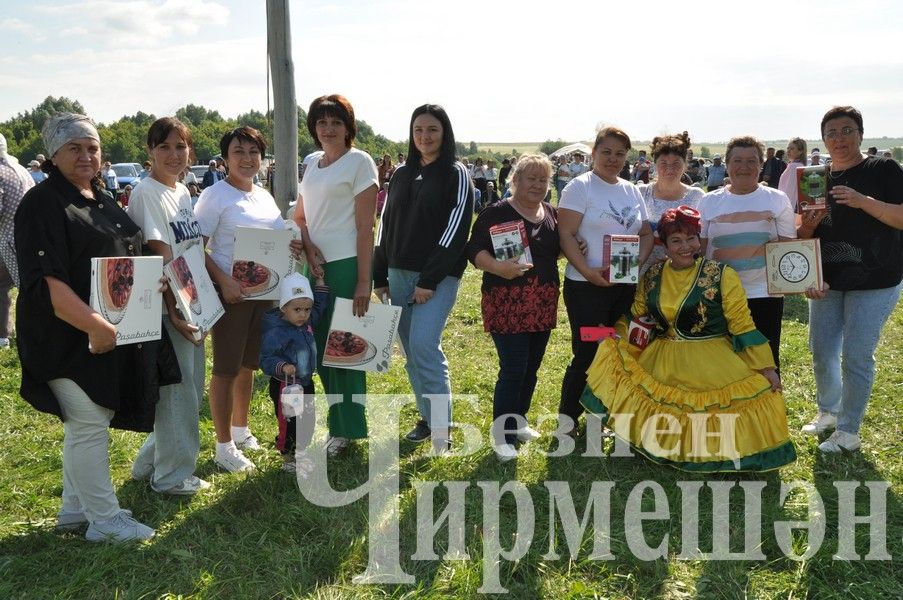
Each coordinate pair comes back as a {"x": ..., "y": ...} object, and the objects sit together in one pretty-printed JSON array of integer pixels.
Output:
[{"x": 539, "y": 162}]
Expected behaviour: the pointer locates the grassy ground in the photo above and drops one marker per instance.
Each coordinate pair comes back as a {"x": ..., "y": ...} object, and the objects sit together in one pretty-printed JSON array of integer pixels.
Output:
[{"x": 256, "y": 537}]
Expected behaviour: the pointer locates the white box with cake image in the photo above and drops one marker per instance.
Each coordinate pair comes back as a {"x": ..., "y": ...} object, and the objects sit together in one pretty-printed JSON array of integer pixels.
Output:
[
  {"x": 361, "y": 343},
  {"x": 125, "y": 290},
  {"x": 261, "y": 259},
  {"x": 196, "y": 298}
]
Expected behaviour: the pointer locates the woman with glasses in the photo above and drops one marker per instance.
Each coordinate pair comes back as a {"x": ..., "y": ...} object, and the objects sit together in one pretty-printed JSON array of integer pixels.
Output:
[
  {"x": 669, "y": 153},
  {"x": 862, "y": 258},
  {"x": 738, "y": 220},
  {"x": 796, "y": 157}
]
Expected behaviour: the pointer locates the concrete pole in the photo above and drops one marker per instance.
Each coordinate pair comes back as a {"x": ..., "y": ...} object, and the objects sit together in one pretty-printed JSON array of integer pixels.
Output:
[{"x": 285, "y": 122}]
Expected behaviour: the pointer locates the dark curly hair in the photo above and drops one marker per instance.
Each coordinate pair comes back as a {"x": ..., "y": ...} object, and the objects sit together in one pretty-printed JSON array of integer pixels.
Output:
[{"x": 677, "y": 144}]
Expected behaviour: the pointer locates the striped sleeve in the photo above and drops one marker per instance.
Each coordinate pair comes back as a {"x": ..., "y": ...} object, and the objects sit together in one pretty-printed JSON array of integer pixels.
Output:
[{"x": 451, "y": 243}]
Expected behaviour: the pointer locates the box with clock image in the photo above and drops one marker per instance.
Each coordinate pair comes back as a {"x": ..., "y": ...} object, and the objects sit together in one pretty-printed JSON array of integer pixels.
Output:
[
  {"x": 812, "y": 187},
  {"x": 793, "y": 266}
]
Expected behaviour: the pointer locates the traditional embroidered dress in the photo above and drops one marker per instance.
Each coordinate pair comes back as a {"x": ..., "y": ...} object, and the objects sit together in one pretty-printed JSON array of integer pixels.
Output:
[{"x": 693, "y": 398}]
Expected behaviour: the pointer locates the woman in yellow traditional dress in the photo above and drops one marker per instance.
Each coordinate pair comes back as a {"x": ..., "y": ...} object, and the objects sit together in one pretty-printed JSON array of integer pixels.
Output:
[{"x": 703, "y": 395}]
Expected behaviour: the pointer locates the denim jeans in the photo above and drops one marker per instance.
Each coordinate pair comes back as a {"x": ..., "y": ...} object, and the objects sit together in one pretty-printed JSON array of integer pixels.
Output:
[
  {"x": 420, "y": 330},
  {"x": 170, "y": 453},
  {"x": 520, "y": 355},
  {"x": 844, "y": 329}
]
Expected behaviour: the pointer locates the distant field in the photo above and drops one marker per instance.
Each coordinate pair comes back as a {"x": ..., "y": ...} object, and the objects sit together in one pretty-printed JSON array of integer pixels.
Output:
[{"x": 714, "y": 147}]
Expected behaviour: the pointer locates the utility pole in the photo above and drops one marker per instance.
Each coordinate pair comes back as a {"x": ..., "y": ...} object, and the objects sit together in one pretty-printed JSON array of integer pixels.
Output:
[{"x": 285, "y": 122}]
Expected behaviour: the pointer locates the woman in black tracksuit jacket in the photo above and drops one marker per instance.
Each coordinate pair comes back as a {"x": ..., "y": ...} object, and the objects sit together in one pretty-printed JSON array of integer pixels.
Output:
[{"x": 420, "y": 257}]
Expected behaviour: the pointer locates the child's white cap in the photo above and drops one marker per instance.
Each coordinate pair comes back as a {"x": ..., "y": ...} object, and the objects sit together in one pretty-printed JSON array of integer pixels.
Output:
[{"x": 294, "y": 285}]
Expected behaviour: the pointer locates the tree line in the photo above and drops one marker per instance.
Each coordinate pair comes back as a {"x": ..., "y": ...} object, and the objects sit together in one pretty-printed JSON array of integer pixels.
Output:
[{"x": 125, "y": 140}]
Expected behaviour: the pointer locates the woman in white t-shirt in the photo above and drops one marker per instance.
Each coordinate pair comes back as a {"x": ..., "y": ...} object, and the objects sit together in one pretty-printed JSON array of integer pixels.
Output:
[
  {"x": 592, "y": 205},
  {"x": 669, "y": 154},
  {"x": 336, "y": 213},
  {"x": 161, "y": 207},
  {"x": 227, "y": 204},
  {"x": 738, "y": 220}
]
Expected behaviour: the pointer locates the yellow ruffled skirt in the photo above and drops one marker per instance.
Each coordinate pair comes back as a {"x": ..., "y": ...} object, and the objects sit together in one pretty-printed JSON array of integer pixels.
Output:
[{"x": 693, "y": 405}]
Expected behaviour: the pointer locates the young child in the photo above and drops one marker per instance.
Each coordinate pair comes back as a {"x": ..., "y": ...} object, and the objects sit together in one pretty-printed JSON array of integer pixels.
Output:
[{"x": 288, "y": 353}]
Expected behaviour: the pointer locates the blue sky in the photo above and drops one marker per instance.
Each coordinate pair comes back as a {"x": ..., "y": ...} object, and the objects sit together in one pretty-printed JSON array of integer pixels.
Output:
[{"x": 504, "y": 70}]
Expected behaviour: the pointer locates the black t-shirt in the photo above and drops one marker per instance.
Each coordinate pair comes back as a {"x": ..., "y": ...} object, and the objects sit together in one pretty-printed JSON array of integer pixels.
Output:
[{"x": 858, "y": 251}]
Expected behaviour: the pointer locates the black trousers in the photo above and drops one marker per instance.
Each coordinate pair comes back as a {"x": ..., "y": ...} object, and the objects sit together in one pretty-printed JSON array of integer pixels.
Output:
[
  {"x": 767, "y": 314},
  {"x": 588, "y": 305}
]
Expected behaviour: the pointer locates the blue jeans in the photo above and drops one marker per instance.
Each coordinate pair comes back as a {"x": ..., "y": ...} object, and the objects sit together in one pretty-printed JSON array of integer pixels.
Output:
[
  {"x": 420, "y": 330},
  {"x": 520, "y": 355},
  {"x": 844, "y": 329}
]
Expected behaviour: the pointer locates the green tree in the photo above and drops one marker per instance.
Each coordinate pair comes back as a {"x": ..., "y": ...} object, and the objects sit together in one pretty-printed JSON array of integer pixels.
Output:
[
  {"x": 193, "y": 114},
  {"x": 705, "y": 152},
  {"x": 550, "y": 146},
  {"x": 898, "y": 153}
]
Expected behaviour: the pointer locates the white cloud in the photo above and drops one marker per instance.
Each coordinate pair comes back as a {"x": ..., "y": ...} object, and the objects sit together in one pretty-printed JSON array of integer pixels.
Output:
[{"x": 16, "y": 25}]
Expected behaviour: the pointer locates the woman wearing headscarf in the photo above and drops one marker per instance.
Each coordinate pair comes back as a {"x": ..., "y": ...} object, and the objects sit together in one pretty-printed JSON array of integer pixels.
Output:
[
  {"x": 71, "y": 365},
  {"x": 420, "y": 258}
]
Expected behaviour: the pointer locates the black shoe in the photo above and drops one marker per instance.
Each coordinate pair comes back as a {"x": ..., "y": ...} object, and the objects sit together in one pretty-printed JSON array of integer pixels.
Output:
[{"x": 420, "y": 432}]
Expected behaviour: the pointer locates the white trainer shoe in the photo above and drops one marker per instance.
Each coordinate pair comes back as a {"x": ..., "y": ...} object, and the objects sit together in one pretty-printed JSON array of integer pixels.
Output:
[
  {"x": 249, "y": 443},
  {"x": 119, "y": 529},
  {"x": 821, "y": 423},
  {"x": 233, "y": 460},
  {"x": 527, "y": 434},
  {"x": 189, "y": 487},
  {"x": 505, "y": 452},
  {"x": 840, "y": 440}
]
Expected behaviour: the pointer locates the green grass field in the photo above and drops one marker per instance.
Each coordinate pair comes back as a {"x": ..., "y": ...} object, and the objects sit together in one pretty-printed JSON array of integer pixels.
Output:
[{"x": 256, "y": 537}]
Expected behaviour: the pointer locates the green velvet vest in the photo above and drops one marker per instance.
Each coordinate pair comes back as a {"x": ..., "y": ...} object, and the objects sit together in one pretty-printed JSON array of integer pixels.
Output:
[{"x": 700, "y": 315}]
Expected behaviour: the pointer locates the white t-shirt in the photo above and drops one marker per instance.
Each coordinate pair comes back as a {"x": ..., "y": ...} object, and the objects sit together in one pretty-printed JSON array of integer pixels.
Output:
[
  {"x": 607, "y": 208},
  {"x": 164, "y": 214},
  {"x": 738, "y": 226},
  {"x": 328, "y": 194},
  {"x": 578, "y": 168},
  {"x": 221, "y": 208}
]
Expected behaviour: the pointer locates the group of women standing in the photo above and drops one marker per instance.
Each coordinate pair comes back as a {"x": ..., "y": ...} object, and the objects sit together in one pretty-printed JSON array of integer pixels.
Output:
[{"x": 712, "y": 363}]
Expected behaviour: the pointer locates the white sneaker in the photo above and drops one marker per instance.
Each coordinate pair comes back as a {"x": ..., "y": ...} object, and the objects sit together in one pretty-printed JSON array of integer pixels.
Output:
[
  {"x": 335, "y": 445},
  {"x": 121, "y": 528},
  {"x": 840, "y": 440},
  {"x": 505, "y": 452},
  {"x": 67, "y": 520},
  {"x": 233, "y": 460},
  {"x": 821, "y": 423},
  {"x": 528, "y": 434},
  {"x": 189, "y": 487},
  {"x": 249, "y": 443},
  {"x": 4, "y": 342}
]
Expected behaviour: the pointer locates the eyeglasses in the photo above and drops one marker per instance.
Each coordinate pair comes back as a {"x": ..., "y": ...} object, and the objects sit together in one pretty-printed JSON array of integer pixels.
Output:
[{"x": 843, "y": 132}]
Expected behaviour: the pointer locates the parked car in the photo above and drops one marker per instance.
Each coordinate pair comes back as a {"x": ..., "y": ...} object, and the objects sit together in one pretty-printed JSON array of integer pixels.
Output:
[
  {"x": 126, "y": 174},
  {"x": 199, "y": 171}
]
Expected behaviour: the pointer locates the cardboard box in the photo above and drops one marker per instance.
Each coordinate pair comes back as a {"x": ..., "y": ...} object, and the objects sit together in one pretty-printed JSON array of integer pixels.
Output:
[
  {"x": 793, "y": 266},
  {"x": 621, "y": 258},
  {"x": 812, "y": 187},
  {"x": 509, "y": 241},
  {"x": 125, "y": 290},
  {"x": 261, "y": 260},
  {"x": 361, "y": 343},
  {"x": 195, "y": 295}
]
